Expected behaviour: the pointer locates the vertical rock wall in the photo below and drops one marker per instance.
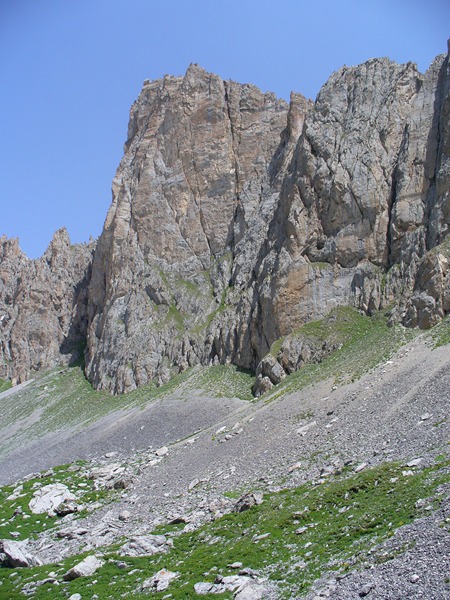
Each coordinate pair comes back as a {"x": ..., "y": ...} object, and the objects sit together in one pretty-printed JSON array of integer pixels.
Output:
[
  {"x": 43, "y": 306},
  {"x": 236, "y": 218}
]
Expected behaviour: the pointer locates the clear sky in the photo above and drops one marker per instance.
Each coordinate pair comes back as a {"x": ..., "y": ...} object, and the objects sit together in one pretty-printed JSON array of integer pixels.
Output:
[{"x": 70, "y": 70}]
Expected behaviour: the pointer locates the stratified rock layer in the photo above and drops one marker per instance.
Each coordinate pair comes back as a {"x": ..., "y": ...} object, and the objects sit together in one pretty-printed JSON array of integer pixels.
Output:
[{"x": 236, "y": 218}]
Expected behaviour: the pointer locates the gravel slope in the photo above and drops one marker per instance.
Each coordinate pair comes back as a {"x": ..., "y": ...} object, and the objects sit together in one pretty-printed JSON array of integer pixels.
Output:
[{"x": 400, "y": 411}]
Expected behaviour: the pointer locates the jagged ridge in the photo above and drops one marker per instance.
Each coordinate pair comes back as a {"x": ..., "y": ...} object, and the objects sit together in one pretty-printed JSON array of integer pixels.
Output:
[{"x": 236, "y": 218}]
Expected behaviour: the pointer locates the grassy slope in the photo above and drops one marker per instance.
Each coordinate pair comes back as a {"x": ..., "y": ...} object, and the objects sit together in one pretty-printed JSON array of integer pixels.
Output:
[
  {"x": 365, "y": 343},
  {"x": 4, "y": 385},
  {"x": 64, "y": 398},
  {"x": 28, "y": 525},
  {"x": 344, "y": 517}
]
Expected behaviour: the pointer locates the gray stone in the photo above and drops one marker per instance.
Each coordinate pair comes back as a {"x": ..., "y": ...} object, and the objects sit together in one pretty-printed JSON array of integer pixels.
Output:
[
  {"x": 162, "y": 451},
  {"x": 160, "y": 581},
  {"x": 366, "y": 589},
  {"x": 248, "y": 501},
  {"x": 145, "y": 545},
  {"x": 361, "y": 467},
  {"x": 48, "y": 498},
  {"x": 261, "y": 386},
  {"x": 66, "y": 508},
  {"x": 16, "y": 555},
  {"x": 203, "y": 588},
  {"x": 88, "y": 566}
]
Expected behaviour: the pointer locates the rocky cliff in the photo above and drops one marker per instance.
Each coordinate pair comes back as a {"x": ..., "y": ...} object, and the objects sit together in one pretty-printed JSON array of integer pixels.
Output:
[
  {"x": 43, "y": 306},
  {"x": 236, "y": 218}
]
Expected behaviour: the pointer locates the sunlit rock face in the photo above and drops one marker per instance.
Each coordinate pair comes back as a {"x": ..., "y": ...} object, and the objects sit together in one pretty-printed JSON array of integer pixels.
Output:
[
  {"x": 194, "y": 196},
  {"x": 237, "y": 217}
]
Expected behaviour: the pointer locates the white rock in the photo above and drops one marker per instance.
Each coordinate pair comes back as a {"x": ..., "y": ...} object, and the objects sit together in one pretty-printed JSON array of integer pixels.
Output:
[
  {"x": 262, "y": 536},
  {"x": 49, "y": 497},
  {"x": 107, "y": 472},
  {"x": 304, "y": 430},
  {"x": 295, "y": 467},
  {"x": 193, "y": 484},
  {"x": 162, "y": 451},
  {"x": 17, "y": 555},
  {"x": 203, "y": 588},
  {"x": 251, "y": 591},
  {"x": 16, "y": 493},
  {"x": 360, "y": 467},
  {"x": 145, "y": 545},
  {"x": 301, "y": 530},
  {"x": 85, "y": 568},
  {"x": 414, "y": 462},
  {"x": 160, "y": 580},
  {"x": 233, "y": 582}
]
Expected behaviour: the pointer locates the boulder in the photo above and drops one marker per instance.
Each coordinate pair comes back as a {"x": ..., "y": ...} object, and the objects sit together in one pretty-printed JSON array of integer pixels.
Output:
[
  {"x": 49, "y": 497},
  {"x": 248, "y": 501},
  {"x": 261, "y": 386},
  {"x": 88, "y": 566},
  {"x": 17, "y": 555},
  {"x": 160, "y": 580},
  {"x": 271, "y": 368}
]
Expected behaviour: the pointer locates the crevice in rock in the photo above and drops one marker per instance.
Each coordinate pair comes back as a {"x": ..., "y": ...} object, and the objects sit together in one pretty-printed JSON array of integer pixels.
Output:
[
  {"x": 434, "y": 151},
  {"x": 393, "y": 196}
]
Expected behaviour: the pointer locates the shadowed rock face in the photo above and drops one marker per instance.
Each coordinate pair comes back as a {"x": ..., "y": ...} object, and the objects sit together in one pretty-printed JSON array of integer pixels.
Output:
[{"x": 236, "y": 218}]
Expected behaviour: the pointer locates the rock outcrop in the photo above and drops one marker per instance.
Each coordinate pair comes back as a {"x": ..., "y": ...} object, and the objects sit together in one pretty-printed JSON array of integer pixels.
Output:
[
  {"x": 43, "y": 306},
  {"x": 193, "y": 199},
  {"x": 236, "y": 218}
]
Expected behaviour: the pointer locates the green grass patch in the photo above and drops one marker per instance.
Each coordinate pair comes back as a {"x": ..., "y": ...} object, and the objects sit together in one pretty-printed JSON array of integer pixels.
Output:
[
  {"x": 204, "y": 326},
  {"x": 342, "y": 518},
  {"x": 225, "y": 381},
  {"x": 440, "y": 333},
  {"x": 321, "y": 266},
  {"x": 5, "y": 384},
  {"x": 363, "y": 342},
  {"x": 175, "y": 316}
]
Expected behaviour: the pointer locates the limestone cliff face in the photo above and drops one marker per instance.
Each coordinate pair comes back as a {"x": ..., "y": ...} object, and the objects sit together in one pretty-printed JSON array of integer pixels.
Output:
[
  {"x": 192, "y": 202},
  {"x": 237, "y": 217},
  {"x": 361, "y": 196},
  {"x": 42, "y": 306}
]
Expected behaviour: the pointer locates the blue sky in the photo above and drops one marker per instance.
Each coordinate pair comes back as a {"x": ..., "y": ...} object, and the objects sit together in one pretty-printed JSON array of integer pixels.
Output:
[{"x": 70, "y": 70}]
